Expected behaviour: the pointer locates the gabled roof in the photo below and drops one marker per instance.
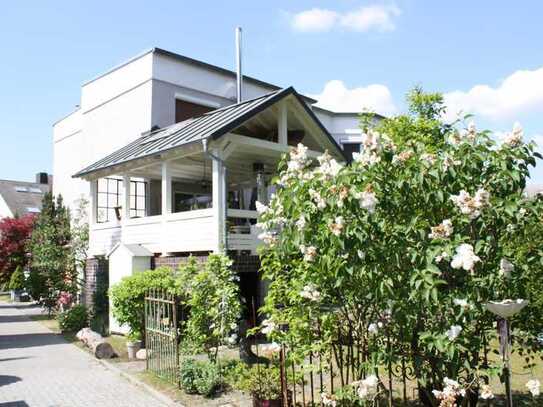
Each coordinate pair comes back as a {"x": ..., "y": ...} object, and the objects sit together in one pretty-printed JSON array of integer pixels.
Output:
[
  {"x": 211, "y": 125},
  {"x": 135, "y": 250},
  {"x": 23, "y": 197}
]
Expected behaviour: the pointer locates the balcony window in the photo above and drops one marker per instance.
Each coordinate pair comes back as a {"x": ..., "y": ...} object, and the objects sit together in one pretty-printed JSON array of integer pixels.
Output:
[
  {"x": 184, "y": 202},
  {"x": 109, "y": 199}
]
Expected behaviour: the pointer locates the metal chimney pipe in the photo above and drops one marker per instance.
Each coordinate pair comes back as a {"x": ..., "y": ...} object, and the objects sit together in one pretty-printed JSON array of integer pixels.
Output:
[{"x": 239, "y": 76}]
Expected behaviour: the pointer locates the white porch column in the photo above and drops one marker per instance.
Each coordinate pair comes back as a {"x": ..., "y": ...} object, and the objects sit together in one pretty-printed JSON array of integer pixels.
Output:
[
  {"x": 218, "y": 194},
  {"x": 93, "y": 201},
  {"x": 166, "y": 188},
  {"x": 166, "y": 203},
  {"x": 282, "y": 128},
  {"x": 126, "y": 198}
]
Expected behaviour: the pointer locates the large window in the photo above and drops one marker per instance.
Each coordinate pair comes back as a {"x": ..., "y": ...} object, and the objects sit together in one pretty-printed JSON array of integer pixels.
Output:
[{"x": 109, "y": 205}]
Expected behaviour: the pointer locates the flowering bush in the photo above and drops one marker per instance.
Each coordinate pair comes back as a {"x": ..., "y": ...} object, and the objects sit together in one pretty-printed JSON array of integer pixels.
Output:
[
  {"x": 211, "y": 294},
  {"x": 403, "y": 247}
]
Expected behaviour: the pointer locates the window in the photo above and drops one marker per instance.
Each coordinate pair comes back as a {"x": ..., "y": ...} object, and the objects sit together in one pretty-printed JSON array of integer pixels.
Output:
[
  {"x": 185, "y": 110},
  {"x": 19, "y": 188},
  {"x": 33, "y": 209},
  {"x": 35, "y": 190},
  {"x": 137, "y": 199},
  {"x": 110, "y": 196},
  {"x": 349, "y": 149}
]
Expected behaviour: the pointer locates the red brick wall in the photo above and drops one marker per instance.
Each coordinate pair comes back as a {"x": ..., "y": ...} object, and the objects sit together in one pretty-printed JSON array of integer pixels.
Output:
[
  {"x": 242, "y": 263},
  {"x": 93, "y": 267}
]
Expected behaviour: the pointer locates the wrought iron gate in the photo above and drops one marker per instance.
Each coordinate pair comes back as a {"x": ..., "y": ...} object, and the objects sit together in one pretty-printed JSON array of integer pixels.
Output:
[{"x": 161, "y": 335}]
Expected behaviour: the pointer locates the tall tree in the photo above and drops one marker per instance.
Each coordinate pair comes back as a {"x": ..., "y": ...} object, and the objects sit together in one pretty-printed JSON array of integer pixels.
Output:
[
  {"x": 52, "y": 264},
  {"x": 14, "y": 235}
]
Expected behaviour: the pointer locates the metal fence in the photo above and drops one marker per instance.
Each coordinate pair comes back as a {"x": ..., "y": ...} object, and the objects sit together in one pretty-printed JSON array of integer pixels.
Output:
[
  {"x": 162, "y": 335},
  {"x": 345, "y": 362}
]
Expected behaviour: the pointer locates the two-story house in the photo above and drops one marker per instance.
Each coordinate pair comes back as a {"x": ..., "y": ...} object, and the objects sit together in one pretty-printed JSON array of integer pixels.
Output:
[
  {"x": 172, "y": 163},
  {"x": 20, "y": 198}
]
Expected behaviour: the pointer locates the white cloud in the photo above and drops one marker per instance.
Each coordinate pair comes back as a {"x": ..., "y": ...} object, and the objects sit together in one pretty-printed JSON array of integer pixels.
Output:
[
  {"x": 376, "y": 17},
  {"x": 314, "y": 20},
  {"x": 380, "y": 18},
  {"x": 337, "y": 97},
  {"x": 521, "y": 92}
]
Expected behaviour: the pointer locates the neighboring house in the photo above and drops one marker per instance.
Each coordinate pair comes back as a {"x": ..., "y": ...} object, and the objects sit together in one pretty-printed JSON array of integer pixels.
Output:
[
  {"x": 19, "y": 198},
  {"x": 171, "y": 164}
]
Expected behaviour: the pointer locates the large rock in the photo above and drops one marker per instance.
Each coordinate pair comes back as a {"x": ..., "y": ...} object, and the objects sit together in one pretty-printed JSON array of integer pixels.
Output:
[
  {"x": 96, "y": 343},
  {"x": 141, "y": 354}
]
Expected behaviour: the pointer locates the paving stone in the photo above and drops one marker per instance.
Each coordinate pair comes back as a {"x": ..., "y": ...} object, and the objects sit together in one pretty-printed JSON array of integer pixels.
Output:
[{"x": 40, "y": 369}]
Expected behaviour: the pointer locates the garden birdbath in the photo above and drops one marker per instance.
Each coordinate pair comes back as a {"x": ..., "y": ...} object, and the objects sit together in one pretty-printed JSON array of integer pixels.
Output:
[{"x": 506, "y": 309}]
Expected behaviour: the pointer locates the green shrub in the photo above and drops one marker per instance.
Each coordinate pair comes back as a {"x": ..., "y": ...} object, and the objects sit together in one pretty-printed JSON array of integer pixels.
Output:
[
  {"x": 73, "y": 319},
  {"x": 128, "y": 296},
  {"x": 199, "y": 377},
  {"x": 234, "y": 372},
  {"x": 262, "y": 381},
  {"x": 17, "y": 280}
]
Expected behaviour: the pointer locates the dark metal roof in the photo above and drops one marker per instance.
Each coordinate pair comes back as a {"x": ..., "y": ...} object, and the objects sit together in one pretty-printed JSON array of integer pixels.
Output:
[
  {"x": 213, "y": 125},
  {"x": 22, "y": 197}
]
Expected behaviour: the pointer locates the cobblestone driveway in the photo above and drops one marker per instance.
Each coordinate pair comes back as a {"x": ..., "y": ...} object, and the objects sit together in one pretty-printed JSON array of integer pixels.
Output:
[{"x": 40, "y": 369}]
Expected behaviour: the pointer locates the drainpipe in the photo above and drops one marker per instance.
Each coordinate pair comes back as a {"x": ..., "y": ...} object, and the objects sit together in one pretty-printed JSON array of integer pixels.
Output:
[{"x": 224, "y": 199}]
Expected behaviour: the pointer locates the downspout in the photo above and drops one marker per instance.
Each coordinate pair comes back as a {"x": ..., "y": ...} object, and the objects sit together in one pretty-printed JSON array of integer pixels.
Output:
[{"x": 224, "y": 191}]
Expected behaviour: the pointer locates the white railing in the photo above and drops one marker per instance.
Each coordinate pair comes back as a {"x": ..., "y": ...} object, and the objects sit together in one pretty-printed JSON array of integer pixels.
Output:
[{"x": 189, "y": 231}]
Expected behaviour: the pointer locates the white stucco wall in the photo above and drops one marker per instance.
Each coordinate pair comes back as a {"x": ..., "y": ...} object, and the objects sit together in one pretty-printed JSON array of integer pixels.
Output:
[{"x": 122, "y": 263}]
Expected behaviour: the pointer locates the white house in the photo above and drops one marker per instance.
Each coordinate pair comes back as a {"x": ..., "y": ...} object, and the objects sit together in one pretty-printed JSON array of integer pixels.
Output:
[{"x": 171, "y": 162}]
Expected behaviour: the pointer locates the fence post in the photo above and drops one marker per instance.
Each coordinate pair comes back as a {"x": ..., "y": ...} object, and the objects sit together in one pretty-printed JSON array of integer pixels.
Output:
[{"x": 283, "y": 373}]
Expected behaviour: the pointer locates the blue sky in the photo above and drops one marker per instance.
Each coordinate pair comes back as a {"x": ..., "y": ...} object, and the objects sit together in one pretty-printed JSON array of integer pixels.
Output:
[{"x": 351, "y": 53}]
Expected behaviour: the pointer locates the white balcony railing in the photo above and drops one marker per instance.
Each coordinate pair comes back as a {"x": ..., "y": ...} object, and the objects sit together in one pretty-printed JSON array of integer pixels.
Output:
[{"x": 189, "y": 231}]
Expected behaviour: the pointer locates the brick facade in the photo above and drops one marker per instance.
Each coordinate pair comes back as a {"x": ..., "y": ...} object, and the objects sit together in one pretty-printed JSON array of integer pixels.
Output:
[
  {"x": 242, "y": 263},
  {"x": 93, "y": 268}
]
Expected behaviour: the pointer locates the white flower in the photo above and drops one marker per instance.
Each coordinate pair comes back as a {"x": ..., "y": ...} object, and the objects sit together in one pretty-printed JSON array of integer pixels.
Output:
[
  {"x": 309, "y": 252},
  {"x": 361, "y": 254},
  {"x": 469, "y": 205},
  {"x": 233, "y": 326},
  {"x": 261, "y": 208},
  {"x": 367, "y": 198},
  {"x": 366, "y": 158},
  {"x": 486, "y": 392},
  {"x": 373, "y": 328},
  {"x": 371, "y": 141},
  {"x": 464, "y": 258},
  {"x": 317, "y": 198},
  {"x": 439, "y": 258},
  {"x": 232, "y": 339},
  {"x": 506, "y": 267},
  {"x": 268, "y": 238},
  {"x": 442, "y": 231},
  {"x": 453, "y": 332},
  {"x": 534, "y": 387},
  {"x": 301, "y": 222},
  {"x": 310, "y": 292},
  {"x": 514, "y": 139},
  {"x": 402, "y": 157},
  {"x": 268, "y": 326},
  {"x": 328, "y": 400},
  {"x": 451, "y": 391},
  {"x": 461, "y": 303},
  {"x": 337, "y": 226},
  {"x": 429, "y": 158},
  {"x": 367, "y": 387},
  {"x": 448, "y": 161},
  {"x": 329, "y": 167},
  {"x": 522, "y": 212}
]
